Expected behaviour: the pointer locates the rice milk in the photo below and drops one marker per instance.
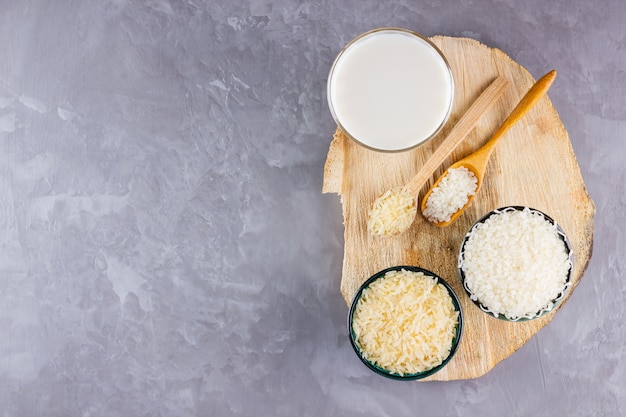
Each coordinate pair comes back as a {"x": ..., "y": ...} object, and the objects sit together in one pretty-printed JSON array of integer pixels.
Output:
[{"x": 390, "y": 90}]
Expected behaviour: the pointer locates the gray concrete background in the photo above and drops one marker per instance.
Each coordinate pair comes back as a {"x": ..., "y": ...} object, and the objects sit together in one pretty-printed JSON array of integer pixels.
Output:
[{"x": 164, "y": 246}]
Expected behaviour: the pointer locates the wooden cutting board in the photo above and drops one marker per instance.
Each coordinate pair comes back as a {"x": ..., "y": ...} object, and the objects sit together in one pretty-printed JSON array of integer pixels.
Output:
[{"x": 534, "y": 165}]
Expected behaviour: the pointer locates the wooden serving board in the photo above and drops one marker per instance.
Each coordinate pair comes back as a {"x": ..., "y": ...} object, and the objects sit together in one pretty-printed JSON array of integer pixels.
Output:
[{"x": 534, "y": 165}]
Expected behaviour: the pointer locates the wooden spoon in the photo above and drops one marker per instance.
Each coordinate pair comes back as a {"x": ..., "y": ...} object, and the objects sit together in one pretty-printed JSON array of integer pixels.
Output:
[
  {"x": 458, "y": 133},
  {"x": 483, "y": 103},
  {"x": 477, "y": 161}
]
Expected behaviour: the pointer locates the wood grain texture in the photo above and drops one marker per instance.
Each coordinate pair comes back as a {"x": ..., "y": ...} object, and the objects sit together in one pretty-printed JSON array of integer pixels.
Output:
[{"x": 534, "y": 165}]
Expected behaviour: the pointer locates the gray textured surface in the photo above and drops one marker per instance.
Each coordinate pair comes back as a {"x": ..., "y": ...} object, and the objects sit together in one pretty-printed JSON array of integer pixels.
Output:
[{"x": 164, "y": 246}]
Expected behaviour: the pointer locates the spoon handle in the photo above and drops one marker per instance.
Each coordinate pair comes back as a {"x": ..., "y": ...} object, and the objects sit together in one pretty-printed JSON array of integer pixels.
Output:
[
  {"x": 458, "y": 132},
  {"x": 527, "y": 102}
]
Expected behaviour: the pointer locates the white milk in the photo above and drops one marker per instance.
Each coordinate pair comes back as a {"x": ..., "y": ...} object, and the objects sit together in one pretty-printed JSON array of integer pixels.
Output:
[{"x": 390, "y": 90}]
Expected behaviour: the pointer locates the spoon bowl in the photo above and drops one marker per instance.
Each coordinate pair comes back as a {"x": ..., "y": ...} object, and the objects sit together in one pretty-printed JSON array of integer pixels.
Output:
[{"x": 477, "y": 161}]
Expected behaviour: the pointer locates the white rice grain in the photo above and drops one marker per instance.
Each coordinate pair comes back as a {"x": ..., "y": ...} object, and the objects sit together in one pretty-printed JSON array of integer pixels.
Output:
[
  {"x": 450, "y": 195},
  {"x": 515, "y": 263}
]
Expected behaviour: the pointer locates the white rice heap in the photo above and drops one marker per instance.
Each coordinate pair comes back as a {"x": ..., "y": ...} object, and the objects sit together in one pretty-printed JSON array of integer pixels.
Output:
[
  {"x": 450, "y": 195},
  {"x": 515, "y": 263},
  {"x": 405, "y": 322},
  {"x": 392, "y": 213}
]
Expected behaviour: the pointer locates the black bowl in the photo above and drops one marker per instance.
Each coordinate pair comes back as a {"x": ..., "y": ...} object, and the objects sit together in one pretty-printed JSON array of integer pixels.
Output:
[
  {"x": 382, "y": 371},
  {"x": 554, "y": 302}
]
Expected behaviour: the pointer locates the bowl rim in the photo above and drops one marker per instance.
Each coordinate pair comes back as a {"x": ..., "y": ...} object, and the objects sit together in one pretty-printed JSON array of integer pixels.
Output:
[
  {"x": 554, "y": 302},
  {"x": 364, "y": 35},
  {"x": 455, "y": 341}
]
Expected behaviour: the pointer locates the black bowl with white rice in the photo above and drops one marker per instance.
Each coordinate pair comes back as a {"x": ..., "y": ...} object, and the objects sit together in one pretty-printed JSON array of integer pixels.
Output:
[
  {"x": 516, "y": 263},
  {"x": 405, "y": 323}
]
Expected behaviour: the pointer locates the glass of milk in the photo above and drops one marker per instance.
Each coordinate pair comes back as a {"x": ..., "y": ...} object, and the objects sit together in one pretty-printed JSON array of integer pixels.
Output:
[{"x": 390, "y": 89}]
